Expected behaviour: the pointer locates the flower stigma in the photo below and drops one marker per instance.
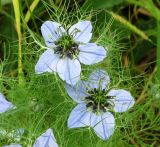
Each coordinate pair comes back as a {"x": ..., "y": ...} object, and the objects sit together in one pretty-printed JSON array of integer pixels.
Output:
[
  {"x": 66, "y": 47},
  {"x": 99, "y": 101}
]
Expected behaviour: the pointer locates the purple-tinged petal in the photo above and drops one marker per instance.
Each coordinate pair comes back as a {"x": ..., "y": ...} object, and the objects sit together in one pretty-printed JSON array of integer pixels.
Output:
[
  {"x": 103, "y": 125},
  {"x": 99, "y": 79},
  {"x": 123, "y": 100},
  {"x": 81, "y": 31},
  {"x": 13, "y": 145},
  {"x": 79, "y": 117},
  {"x": 77, "y": 92},
  {"x": 47, "y": 62},
  {"x": 90, "y": 53},
  {"x": 69, "y": 70},
  {"x": 4, "y": 104},
  {"x": 47, "y": 139},
  {"x": 51, "y": 31}
]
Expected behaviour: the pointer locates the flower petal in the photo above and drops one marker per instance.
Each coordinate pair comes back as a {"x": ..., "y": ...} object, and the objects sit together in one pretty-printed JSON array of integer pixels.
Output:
[
  {"x": 123, "y": 100},
  {"x": 47, "y": 139},
  {"x": 103, "y": 125},
  {"x": 77, "y": 92},
  {"x": 79, "y": 117},
  {"x": 47, "y": 62},
  {"x": 51, "y": 31},
  {"x": 99, "y": 79},
  {"x": 81, "y": 31},
  {"x": 4, "y": 104},
  {"x": 90, "y": 53},
  {"x": 69, "y": 70},
  {"x": 13, "y": 145}
]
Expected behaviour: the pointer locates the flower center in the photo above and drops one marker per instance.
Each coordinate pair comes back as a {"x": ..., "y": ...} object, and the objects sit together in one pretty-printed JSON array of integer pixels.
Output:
[
  {"x": 66, "y": 47},
  {"x": 98, "y": 100}
]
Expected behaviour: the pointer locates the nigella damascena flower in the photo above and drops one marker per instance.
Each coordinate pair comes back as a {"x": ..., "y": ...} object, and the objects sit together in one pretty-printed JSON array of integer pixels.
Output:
[
  {"x": 95, "y": 104},
  {"x": 67, "y": 48}
]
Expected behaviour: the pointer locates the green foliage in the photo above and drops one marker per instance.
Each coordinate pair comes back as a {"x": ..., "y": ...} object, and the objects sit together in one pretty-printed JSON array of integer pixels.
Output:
[
  {"x": 43, "y": 103},
  {"x": 99, "y": 4}
]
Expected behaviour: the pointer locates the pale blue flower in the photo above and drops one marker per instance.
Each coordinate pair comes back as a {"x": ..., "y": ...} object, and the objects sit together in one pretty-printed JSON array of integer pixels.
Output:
[
  {"x": 95, "y": 104},
  {"x": 4, "y": 104},
  {"x": 67, "y": 49}
]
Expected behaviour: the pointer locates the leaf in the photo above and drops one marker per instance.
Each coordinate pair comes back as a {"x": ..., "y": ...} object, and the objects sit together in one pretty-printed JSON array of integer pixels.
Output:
[
  {"x": 97, "y": 4},
  {"x": 149, "y": 5},
  {"x": 129, "y": 25},
  {"x": 46, "y": 139},
  {"x": 13, "y": 145}
]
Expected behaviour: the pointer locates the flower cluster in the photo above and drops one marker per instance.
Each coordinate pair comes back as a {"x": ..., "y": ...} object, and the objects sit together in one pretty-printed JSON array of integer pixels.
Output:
[{"x": 96, "y": 102}]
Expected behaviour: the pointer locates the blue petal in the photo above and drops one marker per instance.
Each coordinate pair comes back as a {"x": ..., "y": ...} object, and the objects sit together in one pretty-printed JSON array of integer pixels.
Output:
[
  {"x": 90, "y": 53},
  {"x": 81, "y": 31},
  {"x": 47, "y": 139},
  {"x": 13, "y": 145},
  {"x": 99, "y": 79},
  {"x": 103, "y": 125},
  {"x": 77, "y": 92},
  {"x": 51, "y": 31},
  {"x": 123, "y": 100},
  {"x": 79, "y": 117},
  {"x": 4, "y": 104},
  {"x": 69, "y": 70},
  {"x": 47, "y": 62}
]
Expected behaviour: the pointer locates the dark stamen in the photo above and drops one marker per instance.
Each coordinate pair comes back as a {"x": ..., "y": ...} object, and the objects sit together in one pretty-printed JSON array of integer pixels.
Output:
[
  {"x": 98, "y": 101},
  {"x": 89, "y": 98},
  {"x": 94, "y": 107},
  {"x": 65, "y": 46},
  {"x": 89, "y": 104}
]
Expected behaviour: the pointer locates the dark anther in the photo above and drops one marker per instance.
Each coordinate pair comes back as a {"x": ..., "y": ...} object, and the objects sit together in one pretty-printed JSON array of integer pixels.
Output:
[
  {"x": 89, "y": 104},
  {"x": 91, "y": 92},
  {"x": 69, "y": 55},
  {"x": 102, "y": 107},
  {"x": 74, "y": 46},
  {"x": 109, "y": 97},
  {"x": 94, "y": 107},
  {"x": 89, "y": 98},
  {"x": 103, "y": 91},
  {"x": 107, "y": 104},
  {"x": 56, "y": 42}
]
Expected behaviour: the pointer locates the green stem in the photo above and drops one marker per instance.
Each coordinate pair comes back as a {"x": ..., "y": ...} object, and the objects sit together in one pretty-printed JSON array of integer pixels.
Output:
[
  {"x": 30, "y": 10},
  {"x": 158, "y": 48},
  {"x": 18, "y": 28}
]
